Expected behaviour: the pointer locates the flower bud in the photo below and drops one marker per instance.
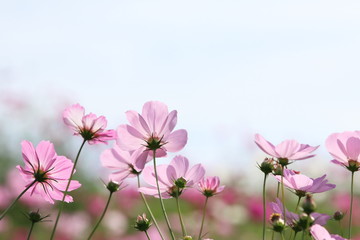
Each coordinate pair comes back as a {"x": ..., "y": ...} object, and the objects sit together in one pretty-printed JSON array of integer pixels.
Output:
[
  {"x": 338, "y": 215},
  {"x": 353, "y": 165},
  {"x": 187, "y": 238},
  {"x": 267, "y": 166},
  {"x": 35, "y": 216},
  {"x": 113, "y": 186},
  {"x": 283, "y": 161},
  {"x": 142, "y": 223},
  {"x": 277, "y": 222},
  {"x": 278, "y": 170},
  {"x": 309, "y": 205}
]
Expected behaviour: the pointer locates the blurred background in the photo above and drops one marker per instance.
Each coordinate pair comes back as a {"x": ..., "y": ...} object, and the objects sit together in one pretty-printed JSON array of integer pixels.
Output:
[{"x": 286, "y": 70}]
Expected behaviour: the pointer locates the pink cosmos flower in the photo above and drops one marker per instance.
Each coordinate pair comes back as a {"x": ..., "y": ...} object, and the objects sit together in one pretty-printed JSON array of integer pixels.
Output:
[
  {"x": 173, "y": 178},
  {"x": 90, "y": 127},
  {"x": 303, "y": 184},
  {"x": 46, "y": 172},
  {"x": 210, "y": 186},
  {"x": 345, "y": 148},
  {"x": 320, "y": 233},
  {"x": 124, "y": 163},
  {"x": 292, "y": 218},
  {"x": 286, "y": 150},
  {"x": 152, "y": 130}
]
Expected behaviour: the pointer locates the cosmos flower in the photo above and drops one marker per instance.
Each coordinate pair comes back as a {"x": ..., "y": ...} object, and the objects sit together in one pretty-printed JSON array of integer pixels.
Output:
[
  {"x": 345, "y": 148},
  {"x": 303, "y": 184},
  {"x": 320, "y": 233},
  {"x": 286, "y": 150},
  {"x": 47, "y": 173},
  {"x": 210, "y": 186},
  {"x": 173, "y": 178},
  {"x": 90, "y": 127},
  {"x": 125, "y": 164},
  {"x": 152, "y": 130}
]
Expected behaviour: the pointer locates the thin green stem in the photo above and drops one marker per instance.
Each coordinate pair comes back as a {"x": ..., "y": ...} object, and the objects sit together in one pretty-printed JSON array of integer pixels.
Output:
[
  {"x": 351, "y": 202},
  {"x": 264, "y": 207},
  {"x": 272, "y": 235},
  {"x": 147, "y": 235},
  {"x": 295, "y": 235},
  {"x": 203, "y": 218},
  {"x": 102, "y": 216},
  {"x": 297, "y": 205},
  {"x": 65, "y": 192},
  {"x": 16, "y": 199},
  {"x": 282, "y": 235},
  {"x": 31, "y": 228},
  {"x": 183, "y": 229},
  {"x": 278, "y": 190},
  {"x": 283, "y": 195},
  {"x": 161, "y": 200},
  {"x": 149, "y": 210}
]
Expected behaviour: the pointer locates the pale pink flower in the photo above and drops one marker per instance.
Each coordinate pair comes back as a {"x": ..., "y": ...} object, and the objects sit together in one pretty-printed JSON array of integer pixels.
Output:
[
  {"x": 173, "y": 178},
  {"x": 90, "y": 127},
  {"x": 320, "y": 233},
  {"x": 288, "y": 149},
  {"x": 210, "y": 186},
  {"x": 345, "y": 148},
  {"x": 47, "y": 172},
  {"x": 303, "y": 184},
  {"x": 152, "y": 130},
  {"x": 125, "y": 164}
]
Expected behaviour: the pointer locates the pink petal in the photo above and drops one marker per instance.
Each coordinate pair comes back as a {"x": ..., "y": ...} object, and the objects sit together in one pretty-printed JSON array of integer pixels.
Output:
[
  {"x": 155, "y": 113},
  {"x": 265, "y": 146},
  {"x": 353, "y": 148},
  {"x": 73, "y": 115},
  {"x": 169, "y": 124},
  {"x": 319, "y": 232},
  {"x": 46, "y": 153},
  {"x": 129, "y": 139},
  {"x": 287, "y": 148},
  {"x": 28, "y": 153},
  {"x": 176, "y": 140},
  {"x": 195, "y": 174},
  {"x": 133, "y": 118},
  {"x": 181, "y": 166}
]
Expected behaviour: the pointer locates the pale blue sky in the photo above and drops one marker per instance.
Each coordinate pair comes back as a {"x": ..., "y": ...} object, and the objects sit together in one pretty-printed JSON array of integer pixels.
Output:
[{"x": 285, "y": 69}]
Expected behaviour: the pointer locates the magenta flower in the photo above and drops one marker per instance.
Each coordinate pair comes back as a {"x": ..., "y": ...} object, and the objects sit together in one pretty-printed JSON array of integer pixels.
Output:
[
  {"x": 90, "y": 127},
  {"x": 320, "y": 233},
  {"x": 152, "y": 130},
  {"x": 286, "y": 150},
  {"x": 125, "y": 164},
  {"x": 292, "y": 218},
  {"x": 345, "y": 148},
  {"x": 173, "y": 178},
  {"x": 210, "y": 186},
  {"x": 46, "y": 172},
  {"x": 303, "y": 184}
]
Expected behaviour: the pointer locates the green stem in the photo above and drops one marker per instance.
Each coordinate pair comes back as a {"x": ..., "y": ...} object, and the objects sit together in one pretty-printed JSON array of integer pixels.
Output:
[
  {"x": 102, "y": 216},
  {"x": 31, "y": 228},
  {"x": 297, "y": 205},
  {"x": 282, "y": 235},
  {"x": 272, "y": 235},
  {"x": 264, "y": 207},
  {"x": 161, "y": 200},
  {"x": 203, "y": 218},
  {"x": 278, "y": 190},
  {"x": 283, "y": 195},
  {"x": 351, "y": 202},
  {"x": 16, "y": 199},
  {"x": 147, "y": 235},
  {"x": 180, "y": 216},
  {"x": 65, "y": 192},
  {"x": 295, "y": 235},
  {"x": 149, "y": 210}
]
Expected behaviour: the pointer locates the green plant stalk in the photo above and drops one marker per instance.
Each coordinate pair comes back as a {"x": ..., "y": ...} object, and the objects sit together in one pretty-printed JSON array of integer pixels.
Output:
[
  {"x": 297, "y": 205},
  {"x": 351, "y": 202},
  {"x": 65, "y": 192},
  {"x": 16, "y": 199},
  {"x": 283, "y": 195},
  {"x": 149, "y": 210},
  {"x": 161, "y": 200},
  {"x": 203, "y": 218},
  {"x": 183, "y": 228},
  {"x": 31, "y": 228},
  {"x": 102, "y": 216},
  {"x": 147, "y": 235},
  {"x": 264, "y": 206}
]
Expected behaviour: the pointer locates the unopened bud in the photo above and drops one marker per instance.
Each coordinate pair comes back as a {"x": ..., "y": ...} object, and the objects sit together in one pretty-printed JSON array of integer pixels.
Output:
[
  {"x": 278, "y": 170},
  {"x": 283, "y": 161},
  {"x": 338, "y": 215},
  {"x": 277, "y": 222},
  {"x": 36, "y": 216},
  {"x": 267, "y": 166},
  {"x": 113, "y": 186},
  {"x": 142, "y": 223},
  {"x": 187, "y": 238},
  {"x": 309, "y": 205}
]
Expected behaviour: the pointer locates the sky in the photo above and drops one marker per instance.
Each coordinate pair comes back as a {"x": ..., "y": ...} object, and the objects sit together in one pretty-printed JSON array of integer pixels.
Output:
[{"x": 285, "y": 69}]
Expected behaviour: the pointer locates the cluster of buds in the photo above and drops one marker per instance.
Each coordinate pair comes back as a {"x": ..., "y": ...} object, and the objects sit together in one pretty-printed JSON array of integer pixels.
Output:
[{"x": 142, "y": 223}]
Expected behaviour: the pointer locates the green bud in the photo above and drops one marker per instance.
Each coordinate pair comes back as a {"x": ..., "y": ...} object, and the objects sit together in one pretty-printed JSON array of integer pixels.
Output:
[
  {"x": 338, "y": 215},
  {"x": 113, "y": 186},
  {"x": 309, "y": 205},
  {"x": 142, "y": 223}
]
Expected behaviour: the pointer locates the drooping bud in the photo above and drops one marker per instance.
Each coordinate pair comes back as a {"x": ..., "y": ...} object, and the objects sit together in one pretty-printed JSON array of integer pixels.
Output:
[
  {"x": 267, "y": 166},
  {"x": 309, "y": 205},
  {"x": 142, "y": 223},
  {"x": 338, "y": 215},
  {"x": 277, "y": 222}
]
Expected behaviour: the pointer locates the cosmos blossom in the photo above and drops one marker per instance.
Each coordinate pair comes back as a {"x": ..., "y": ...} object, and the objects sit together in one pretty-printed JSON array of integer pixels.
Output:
[
  {"x": 125, "y": 164},
  {"x": 288, "y": 149},
  {"x": 291, "y": 217},
  {"x": 173, "y": 178},
  {"x": 46, "y": 172},
  {"x": 303, "y": 184},
  {"x": 90, "y": 127},
  {"x": 152, "y": 130},
  {"x": 210, "y": 186},
  {"x": 345, "y": 148},
  {"x": 320, "y": 233}
]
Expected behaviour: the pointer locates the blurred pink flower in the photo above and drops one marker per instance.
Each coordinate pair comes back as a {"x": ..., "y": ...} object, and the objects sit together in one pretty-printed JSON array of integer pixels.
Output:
[
  {"x": 210, "y": 186},
  {"x": 288, "y": 149},
  {"x": 320, "y": 233},
  {"x": 172, "y": 177},
  {"x": 46, "y": 172},
  {"x": 303, "y": 184},
  {"x": 90, "y": 127},
  {"x": 152, "y": 130},
  {"x": 124, "y": 163},
  {"x": 345, "y": 148},
  {"x": 5, "y": 197}
]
